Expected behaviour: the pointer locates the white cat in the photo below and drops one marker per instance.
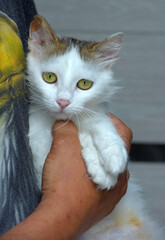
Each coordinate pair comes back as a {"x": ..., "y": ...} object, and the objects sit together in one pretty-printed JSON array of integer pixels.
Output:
[{"x": 72, "y": 79}]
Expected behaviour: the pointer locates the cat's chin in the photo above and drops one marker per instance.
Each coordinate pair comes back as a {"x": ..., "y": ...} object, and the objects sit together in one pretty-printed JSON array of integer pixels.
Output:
[{"x": 62, "y": 116}]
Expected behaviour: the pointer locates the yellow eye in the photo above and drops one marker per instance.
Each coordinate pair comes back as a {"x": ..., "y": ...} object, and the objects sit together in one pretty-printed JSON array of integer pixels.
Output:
[
  {"x": 49, "y": 77},
  {"x": 84, "y": 84}
]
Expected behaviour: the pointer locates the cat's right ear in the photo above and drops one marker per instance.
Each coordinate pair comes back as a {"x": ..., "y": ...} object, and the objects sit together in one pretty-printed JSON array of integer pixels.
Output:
[{"x": 40, "y": 35}]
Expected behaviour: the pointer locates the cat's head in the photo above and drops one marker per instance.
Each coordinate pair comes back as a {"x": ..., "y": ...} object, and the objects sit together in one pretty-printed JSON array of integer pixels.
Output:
[{"x": 68, "y": 75}]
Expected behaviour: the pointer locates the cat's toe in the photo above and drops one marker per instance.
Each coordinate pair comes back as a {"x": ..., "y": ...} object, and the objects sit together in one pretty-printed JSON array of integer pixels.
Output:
[
  {"x": 115, "y": 159},
  {"x": 104, "y": 180},
  {"x": 103, "y": 167},
  {"x": 98, "y": 175}
]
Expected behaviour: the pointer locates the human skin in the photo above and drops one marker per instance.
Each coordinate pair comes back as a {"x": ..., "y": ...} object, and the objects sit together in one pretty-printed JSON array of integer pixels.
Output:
[{"x": 70, "y": 202}]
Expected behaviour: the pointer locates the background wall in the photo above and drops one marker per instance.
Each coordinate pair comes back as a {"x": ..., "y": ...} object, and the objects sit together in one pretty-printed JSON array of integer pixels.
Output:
[{"x": 141, "y": 68}]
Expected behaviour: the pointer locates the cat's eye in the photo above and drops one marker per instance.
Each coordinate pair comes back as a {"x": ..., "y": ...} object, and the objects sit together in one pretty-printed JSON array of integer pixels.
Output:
[
  {"x": 49, "y": 77},
  {"x": 84, "y": 84}
]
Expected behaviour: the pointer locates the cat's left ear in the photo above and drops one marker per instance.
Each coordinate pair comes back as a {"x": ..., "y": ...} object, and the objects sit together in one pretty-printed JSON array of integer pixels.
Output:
[{"x": 108, "y": 50}]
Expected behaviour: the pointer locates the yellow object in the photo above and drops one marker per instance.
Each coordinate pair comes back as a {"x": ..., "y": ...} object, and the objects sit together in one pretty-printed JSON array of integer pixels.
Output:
[{"x": 12, "y": 61}]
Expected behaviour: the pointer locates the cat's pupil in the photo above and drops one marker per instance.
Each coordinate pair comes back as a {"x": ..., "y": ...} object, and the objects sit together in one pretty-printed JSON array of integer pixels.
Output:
[
  {"x": 84, "y": 82},
  {"x": 50, "y": 75}
]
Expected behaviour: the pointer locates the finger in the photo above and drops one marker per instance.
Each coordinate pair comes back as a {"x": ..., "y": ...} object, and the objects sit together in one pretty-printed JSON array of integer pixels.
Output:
[
  {"x": 125, "y": 132},
  {"x": 120, "y": 125},
  {"x": 127, "y": 175},
  {"x": 64, "y": 156},
  {"x": 64, "y": 127},
  {"x": 65, "y": 134},
  {"x": 121, "y": 186}
]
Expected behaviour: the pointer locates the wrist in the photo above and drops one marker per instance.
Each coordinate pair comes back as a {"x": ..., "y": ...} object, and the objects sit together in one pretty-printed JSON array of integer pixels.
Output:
[
  {"x": 50, "y": 220},
  {"x": 61, "y": 217}
]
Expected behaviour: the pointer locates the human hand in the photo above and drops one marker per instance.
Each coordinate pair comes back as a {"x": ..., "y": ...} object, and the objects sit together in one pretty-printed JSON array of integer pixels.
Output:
[
  {"x": 65, "y": 182},
  {"x": 124, "y": 131},
  {"x": 70, "y": 203}
]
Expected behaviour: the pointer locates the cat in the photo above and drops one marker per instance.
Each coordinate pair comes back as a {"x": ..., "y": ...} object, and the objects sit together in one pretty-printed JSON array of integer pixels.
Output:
[{"x": 72, "y": 80}]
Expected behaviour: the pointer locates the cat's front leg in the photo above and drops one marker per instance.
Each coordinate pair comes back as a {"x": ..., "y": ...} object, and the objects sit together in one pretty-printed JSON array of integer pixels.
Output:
[
  {"x": 104, "y": 152},
  {"x": 93, "y": 163},
  {"x": 110, "y": 147}
]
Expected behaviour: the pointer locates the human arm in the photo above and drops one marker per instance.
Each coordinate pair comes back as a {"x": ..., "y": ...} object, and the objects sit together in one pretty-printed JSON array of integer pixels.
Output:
[{"x": 70, "y": 203}]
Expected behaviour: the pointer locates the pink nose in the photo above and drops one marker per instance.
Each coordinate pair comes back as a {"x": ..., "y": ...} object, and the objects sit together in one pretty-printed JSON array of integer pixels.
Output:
[{"x": 63, "y": 103}]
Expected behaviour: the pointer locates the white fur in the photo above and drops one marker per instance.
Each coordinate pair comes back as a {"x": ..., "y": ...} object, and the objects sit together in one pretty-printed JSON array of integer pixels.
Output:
[
  {"x": 102, "y": 148},
  {"x": 118, "y": 225},
  {"x": 87, "y": 109}
]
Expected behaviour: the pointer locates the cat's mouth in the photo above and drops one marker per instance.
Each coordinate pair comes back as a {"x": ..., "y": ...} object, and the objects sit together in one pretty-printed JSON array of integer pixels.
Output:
[
  {"x": 63, "y": 111},
  {"x": 62, "y": 115}
]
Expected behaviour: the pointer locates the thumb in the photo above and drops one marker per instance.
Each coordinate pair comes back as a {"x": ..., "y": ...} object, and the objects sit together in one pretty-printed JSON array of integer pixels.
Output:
[
  {"x": 65, "y": 135},
  {"x": 64, "y": 160}
]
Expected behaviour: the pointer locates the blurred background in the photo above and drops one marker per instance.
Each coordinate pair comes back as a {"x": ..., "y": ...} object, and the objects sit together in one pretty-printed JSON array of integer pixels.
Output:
[{"x": 141, "y": 71}]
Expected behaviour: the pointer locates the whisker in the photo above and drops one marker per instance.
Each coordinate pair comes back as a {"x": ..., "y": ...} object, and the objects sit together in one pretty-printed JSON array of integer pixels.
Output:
[
  {"x": 94, "y": 113},
  {"x": 62, "y": 125},
  {"x": 78, "y": 120},
  {"x": 43, "y": 108},
  {"x": 85, "y": 115}
]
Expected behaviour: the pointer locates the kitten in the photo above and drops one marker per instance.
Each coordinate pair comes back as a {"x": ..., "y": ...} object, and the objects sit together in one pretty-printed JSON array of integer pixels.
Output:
[{"x": 72, "y": 79}]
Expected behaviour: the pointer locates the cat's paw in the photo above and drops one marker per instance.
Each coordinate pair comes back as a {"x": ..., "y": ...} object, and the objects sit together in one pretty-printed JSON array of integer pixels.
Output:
[
  {"x": 103, "y": 163},
  {"x": 114, "y": 159},
  {"x": 95, "y": 169},
  {"x": 103, "y": 179},
  {"x": 97, "y": 173}
]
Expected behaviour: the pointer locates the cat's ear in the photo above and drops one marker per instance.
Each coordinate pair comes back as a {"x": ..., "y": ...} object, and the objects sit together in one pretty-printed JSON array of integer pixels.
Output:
[
  {"x": 40, "y": 34},
  {"x": 108, "y": 50}
]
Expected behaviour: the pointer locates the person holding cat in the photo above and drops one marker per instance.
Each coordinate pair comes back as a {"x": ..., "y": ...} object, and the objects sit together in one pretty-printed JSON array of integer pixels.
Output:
[
  {"x": 70, "y": 203},
  {"x": 69, "y": 199}
]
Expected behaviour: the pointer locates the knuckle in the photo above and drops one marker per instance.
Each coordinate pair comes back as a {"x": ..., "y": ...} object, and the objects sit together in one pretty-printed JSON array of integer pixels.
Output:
[{"x": 130, "y": 133}]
